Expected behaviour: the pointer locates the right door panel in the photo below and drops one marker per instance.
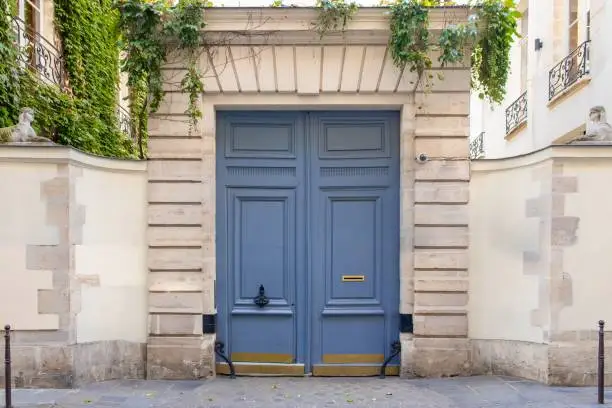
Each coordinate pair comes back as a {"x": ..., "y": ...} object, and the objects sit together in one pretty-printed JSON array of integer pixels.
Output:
[{"x": 354, "y": 222}]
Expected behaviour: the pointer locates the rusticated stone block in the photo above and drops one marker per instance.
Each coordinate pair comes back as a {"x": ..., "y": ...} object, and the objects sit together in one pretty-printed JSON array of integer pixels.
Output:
[
  {"x": 443, "y": 170},
  {"x": 453, "y": 126},
  {"x": 441, "y": 259},
  {"x": 508, "y": 357},
  {"x": 432, "y": 214},
  {"x": 440, "y": 147},
  {"x": 445, "y": 325},
  {"x": 441, "y": 192},
  {"x": 442, "y": 103},
  {"x": 575, "y": 364},
  {"x": 440, "y": 299},
  {"x": 161, "y": 192},
  {"x": 426, "y": 236},
  {"x": 168, "y": 148},
  {"x": 441, "y": 285},
  {"x": 437, "y": 362},
  {"x": 175, "y": 258},
  {"x": 175, "y": 302},
  {"x": 180, "y": 358},
  {"x": 175, "y": 214},
  {"x": 175, "y": 324},
  {"x": 165, "y": 236},
  {"x": 108, "y": 360}
]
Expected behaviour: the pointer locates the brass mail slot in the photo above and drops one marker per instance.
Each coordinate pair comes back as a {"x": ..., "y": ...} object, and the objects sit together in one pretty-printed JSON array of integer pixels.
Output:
[{"x": 353, "y": 278}]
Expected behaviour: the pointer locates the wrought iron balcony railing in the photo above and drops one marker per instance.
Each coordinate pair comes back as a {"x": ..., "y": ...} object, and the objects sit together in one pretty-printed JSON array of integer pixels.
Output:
[
  {"x": 39, "y": 54},
  {"x": 477, "y": 147},
  {"x": 125, "y": 122},
  {"x": 42, "y": 57},
  {"x": 569, "y": 70},
  {"x": 516, "y": 113}
]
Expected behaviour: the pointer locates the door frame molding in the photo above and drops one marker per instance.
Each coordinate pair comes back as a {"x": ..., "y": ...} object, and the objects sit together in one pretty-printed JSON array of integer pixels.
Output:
[{"x": 208, "y": 128}]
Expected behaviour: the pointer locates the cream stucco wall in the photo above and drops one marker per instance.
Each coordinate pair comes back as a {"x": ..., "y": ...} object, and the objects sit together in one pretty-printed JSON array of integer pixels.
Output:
[
  {"x": 502, "y": 297},
  {"x": 24, "y": 222},
  {"x": 540, "y": 240},
  {"x": 589, "y": 261},
  {"x": 548, "y": 122},
  {"x": 89, "y": 214},
  {"x": 73, "y": 278},
  {"x": 110, "y": 262}
]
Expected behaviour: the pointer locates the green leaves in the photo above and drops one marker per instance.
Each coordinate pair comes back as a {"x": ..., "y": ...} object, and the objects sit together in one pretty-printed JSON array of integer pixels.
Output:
[
  {"x": 333, "y": 15},
  {"x": 409, "y": 41},
  {"x": 150, "y": 32},
  {"x": 497, "y": 29},
  {"x": 491, "y": 32}
]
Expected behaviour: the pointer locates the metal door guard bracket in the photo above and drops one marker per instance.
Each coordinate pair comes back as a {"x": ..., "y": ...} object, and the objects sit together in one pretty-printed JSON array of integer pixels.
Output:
[
  {"x": 396, "y": 348},
  {"x": 220, "y": 351}
]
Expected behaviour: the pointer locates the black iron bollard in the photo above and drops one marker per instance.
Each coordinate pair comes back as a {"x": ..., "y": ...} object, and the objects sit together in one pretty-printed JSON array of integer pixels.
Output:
[
  {"x": 600, "y": 365},
  {"x": 7, "y": 367}
]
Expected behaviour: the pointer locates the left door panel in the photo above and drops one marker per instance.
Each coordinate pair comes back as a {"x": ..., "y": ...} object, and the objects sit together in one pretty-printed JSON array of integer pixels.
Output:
[{"x": 259, "y": 241}]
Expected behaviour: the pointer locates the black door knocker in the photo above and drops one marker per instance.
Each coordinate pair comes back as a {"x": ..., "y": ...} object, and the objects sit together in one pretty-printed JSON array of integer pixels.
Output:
[{"x": 261, "y": 300}]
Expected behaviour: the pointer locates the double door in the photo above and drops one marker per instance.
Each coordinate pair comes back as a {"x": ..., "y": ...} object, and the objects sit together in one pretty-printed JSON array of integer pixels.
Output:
[{"x": 307, "y": 241}]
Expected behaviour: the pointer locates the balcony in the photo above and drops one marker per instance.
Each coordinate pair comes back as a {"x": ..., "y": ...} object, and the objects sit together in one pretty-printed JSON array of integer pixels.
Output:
[
  {"x": 516, "y": 114},
  {"x": 40, "y": 56},
  {"x": 569, "y": 71},
  {"x": 477, "y": 147}
]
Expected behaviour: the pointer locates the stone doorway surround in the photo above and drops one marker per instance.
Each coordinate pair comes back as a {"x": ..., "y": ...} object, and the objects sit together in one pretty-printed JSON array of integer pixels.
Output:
[{"x": 271, "y": 59}]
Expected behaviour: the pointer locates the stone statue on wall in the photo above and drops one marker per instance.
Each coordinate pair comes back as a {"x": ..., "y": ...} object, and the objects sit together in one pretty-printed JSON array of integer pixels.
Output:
[
  {"x": 22, "y": 132},
  {"x": 597, "y": 128}
]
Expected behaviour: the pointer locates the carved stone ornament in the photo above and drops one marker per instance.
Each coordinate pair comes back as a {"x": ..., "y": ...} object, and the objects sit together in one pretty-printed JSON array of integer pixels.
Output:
[
  {"x": 22, "y": 132},
  {"x": 598, "y": 130}
]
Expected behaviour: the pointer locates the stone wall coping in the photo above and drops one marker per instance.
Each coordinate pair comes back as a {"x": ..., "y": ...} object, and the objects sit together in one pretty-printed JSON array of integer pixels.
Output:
[
  {"x": 253, "y": 25},
  {"x": 571, "y": 152},
  {"x": 59, "y": 154}
]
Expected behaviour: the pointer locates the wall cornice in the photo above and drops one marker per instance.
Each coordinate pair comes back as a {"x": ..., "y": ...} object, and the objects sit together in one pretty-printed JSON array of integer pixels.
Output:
[
  {"x": 294, "y": 25},
  {"x": 59, "y": 154},
  {"x": 562, "y": 152}
]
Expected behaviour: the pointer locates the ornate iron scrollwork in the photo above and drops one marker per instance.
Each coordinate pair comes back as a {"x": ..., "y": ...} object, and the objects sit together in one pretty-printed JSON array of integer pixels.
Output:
[
  {"x": 220, "y": 351},
  {"x": 516, "y": 113},
  {"x": 569, "y": 70},
  {"x": 396, "y": 348},
  {"x": 261, "y": 300},
  {"x": 477, "y": 147}
]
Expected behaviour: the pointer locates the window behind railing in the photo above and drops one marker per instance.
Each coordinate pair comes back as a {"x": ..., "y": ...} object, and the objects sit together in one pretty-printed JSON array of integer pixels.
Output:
[{"x": 567, "y": 72}]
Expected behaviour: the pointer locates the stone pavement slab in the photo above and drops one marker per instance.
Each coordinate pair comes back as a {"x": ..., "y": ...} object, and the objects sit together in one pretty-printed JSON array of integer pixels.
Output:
[{"x": 270, "y": 392}]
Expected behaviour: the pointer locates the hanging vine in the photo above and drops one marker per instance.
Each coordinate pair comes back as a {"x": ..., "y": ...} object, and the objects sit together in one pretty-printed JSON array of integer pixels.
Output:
[
  {"x": 497, "y": 27},
  {"x": 150, "y": 32},
  {"x": 490, "y": 31},
  {"x": 333, "y": 15}
]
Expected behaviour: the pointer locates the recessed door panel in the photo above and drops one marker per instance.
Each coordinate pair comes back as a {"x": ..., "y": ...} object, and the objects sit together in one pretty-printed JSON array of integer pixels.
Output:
[{"x": 352, "y": 248}]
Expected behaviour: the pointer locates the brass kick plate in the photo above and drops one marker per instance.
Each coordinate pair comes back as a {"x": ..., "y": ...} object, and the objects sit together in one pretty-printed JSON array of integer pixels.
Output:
[{"x": 353, "y": 278}]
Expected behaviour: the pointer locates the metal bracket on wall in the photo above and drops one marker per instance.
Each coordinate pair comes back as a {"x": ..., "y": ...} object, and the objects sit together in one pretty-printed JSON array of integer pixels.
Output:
[
  {"x": 396, "y": 348},
  {"x": 220, "y": 351},
  {"x": 209, "y": 323},
  {"x": 406, "y": 325}
]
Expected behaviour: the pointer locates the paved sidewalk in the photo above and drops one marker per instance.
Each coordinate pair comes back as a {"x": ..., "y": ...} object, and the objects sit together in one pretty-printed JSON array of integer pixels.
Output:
[{"x": 472, "y": 392}]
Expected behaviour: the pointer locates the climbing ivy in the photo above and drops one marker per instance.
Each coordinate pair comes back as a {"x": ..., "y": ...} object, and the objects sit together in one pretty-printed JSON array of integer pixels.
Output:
[
  {"x": 150, "y": 32},
  {"x": 333, "y": 15},
  {"x": 490, "y": 31},
  {"x": 9, "y": 78},
  {"x": 82, "y": 113}
]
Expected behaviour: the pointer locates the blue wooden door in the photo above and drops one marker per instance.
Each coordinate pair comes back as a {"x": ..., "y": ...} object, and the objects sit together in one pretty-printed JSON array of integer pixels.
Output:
[{"x": 307, "y": 241}]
